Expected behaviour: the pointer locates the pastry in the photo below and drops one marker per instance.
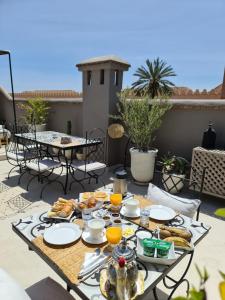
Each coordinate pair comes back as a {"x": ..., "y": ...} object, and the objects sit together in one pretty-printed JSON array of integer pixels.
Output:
[
  {"x": 87, "y": 195},
  {"x": 100, "y": 194},
  {"x": 66, "y": 211},
  {"x": 82, "y": 205},
  {"x": 178, "y": 241},
  {"x": 166, "y": 231}
]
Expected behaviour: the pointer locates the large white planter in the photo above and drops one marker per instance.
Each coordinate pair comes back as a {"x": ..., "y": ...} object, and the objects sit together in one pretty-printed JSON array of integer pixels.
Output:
[
  {"x": 40, "y": 127},
  {"x": 142, "y": 165},
  {"x": 173, "y": 183}
]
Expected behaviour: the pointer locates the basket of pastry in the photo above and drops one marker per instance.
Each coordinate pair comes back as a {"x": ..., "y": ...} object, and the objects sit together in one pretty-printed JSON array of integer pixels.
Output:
[
  {"x": 62, "y": 209},
  {"x": 91, "y": 204},
  {"x": 181, "y": 237}
]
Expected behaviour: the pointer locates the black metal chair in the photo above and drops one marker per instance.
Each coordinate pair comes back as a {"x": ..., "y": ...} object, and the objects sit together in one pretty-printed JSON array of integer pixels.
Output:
[
  {"x": 94, "y": 161},
  {"x": 190, "y": 186},
  {"x": 17, "y": 153},
  {"x": 41, "y": 166}
]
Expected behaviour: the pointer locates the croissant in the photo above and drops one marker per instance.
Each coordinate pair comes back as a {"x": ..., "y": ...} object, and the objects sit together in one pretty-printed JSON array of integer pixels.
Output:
[{"x": 66, "y": 211}]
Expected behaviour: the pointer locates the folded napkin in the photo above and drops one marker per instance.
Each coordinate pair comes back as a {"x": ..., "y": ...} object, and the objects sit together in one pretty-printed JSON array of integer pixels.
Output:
[{"x": 91, "y": 261}]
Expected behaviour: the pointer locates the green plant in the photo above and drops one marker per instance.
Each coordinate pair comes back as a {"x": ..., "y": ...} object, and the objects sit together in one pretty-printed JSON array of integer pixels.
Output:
[
  {"x": 35, "y": 110},
  {"x": 172, "y": 164},
  {"x": 220, "y": 212},
  {"x": 200, "y": 293},
  {"x": 153, "y": 79},
  {"x": 141, "y": 118}
]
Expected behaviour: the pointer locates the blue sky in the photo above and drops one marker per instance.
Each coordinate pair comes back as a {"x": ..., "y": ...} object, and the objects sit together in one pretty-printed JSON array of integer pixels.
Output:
[{"x": 48, "y": 37}]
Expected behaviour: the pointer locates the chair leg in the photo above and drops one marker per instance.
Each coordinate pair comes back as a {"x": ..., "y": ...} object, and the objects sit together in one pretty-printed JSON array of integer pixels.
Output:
[
  {"x": 29, "y": 182},
  {"x": 21, "y": 175},
  {"x": 11, "y": 171}
]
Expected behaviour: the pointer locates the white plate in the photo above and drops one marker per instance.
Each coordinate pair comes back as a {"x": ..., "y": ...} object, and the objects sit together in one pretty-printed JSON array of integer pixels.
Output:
[
  {"x": 60, "y": 218},
  {"x": 94, "y": 241},
  {"x": 127, "y": 214},
  {"x": 62, "y": 234},
  {"x": 161, "y": 213},
  {"x": 100, "y": 213},
  {"x": 172, "y": 256}
]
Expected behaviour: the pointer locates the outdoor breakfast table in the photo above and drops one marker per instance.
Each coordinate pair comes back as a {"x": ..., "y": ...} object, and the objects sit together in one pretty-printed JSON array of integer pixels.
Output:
[
  {"x": 66, "y": 260},
  {"x": 52, "y": 139}
]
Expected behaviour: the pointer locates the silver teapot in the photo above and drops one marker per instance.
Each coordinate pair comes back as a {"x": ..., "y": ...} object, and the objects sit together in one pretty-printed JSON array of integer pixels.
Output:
[{"x": 123, "y": 271}]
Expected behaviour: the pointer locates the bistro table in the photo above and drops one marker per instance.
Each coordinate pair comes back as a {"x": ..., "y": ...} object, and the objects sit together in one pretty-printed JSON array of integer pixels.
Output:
[
  {"x": 64, "y": 260},
  {"x": 52, "y": 141}
]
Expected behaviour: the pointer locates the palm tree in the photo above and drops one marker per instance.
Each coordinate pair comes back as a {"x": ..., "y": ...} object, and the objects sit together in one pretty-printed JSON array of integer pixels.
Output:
[{"x": 153, "y": 79}]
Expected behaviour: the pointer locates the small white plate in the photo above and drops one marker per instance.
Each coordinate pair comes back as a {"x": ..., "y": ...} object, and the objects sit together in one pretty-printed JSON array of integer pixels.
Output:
[
  {"x": 161, "y": 212},
  {"x": 62, "y": 234},
  {"x": 127, "y": 214},
  {"x": 100, "y": 213},
  {"x": 172, "y": 256},
  {"x": 93, "y": 240}
]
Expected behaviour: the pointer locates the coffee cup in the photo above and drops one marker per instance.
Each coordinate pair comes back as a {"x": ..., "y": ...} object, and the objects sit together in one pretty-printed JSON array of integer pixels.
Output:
[
  {"x": 95, "y": 227},
  {"x": 131, "y": 205},
  {"x": 117, "y": 223},
  {"x": 107, "y": 220},
  {"x": 141, "y": 235}
]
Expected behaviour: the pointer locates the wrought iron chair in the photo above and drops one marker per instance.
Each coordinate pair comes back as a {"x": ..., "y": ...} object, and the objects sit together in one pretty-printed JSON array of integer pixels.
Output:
[
  {"x": 192, "y": 183},
  {"x": 94, "y": 162},
  {"x": 42, "y": 166},
  {"x": 17, "y": 153}
]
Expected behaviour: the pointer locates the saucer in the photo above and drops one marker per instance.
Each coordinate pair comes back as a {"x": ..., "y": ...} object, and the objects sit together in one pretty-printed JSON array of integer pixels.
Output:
[
  {"x": 127, "y": 214},
  {"x": 93, "y": 240}
]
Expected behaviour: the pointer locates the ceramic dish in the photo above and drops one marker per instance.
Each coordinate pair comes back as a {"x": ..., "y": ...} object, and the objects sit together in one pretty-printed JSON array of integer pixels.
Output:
[
  {"x": 172, "y": 256},
  {"x": 62, "y": 234},
  {"x": 57, "y": 217},
  {"x": 127, "y": 214},
  {"x": 93, "y": 240},
  {"x": 161, "y": 212}
]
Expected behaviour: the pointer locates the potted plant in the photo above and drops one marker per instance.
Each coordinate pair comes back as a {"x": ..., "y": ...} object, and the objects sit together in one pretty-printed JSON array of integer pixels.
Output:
[
  {"x": 174, "y": 170},
  {"x": 35, "y": 111},
  {"x": 141, "y": 118}
]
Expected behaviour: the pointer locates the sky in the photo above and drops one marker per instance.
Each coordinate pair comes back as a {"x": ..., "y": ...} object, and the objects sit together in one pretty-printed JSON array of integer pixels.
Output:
[{"x": 47, "y": 38}]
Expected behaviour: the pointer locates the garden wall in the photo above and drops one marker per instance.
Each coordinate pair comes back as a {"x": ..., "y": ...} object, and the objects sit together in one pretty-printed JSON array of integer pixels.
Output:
[{"x": 183, "y": 126}]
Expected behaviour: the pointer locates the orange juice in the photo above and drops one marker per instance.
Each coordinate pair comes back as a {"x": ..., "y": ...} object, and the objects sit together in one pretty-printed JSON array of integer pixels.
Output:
[
  {"x": 116, "y": 199},
  {"x": 113, "y": 235}
]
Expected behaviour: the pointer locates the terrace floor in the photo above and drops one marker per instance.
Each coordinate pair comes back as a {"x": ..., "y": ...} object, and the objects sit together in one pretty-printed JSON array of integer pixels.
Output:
[{"x": 28, "y": 268}]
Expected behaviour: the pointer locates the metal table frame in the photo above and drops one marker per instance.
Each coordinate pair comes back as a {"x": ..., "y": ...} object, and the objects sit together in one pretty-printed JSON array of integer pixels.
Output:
[
  {"x": 164, "y": 275},
  {"x": 61, "y": 148}
]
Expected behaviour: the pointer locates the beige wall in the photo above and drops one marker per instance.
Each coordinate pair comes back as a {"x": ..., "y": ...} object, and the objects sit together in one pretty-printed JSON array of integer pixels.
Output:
[
  {"x": 183, "y": 127},
  {"x": 60, "y": 112}
]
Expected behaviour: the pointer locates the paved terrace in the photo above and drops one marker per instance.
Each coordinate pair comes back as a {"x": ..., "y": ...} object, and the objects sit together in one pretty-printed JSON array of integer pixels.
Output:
[{"x": 28, "y": 268}]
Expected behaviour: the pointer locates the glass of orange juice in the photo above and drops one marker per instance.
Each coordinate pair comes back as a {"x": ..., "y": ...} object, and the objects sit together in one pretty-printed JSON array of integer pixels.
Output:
[
  {"x": 116, "y": 199},
  {"x": 113, "y": 235}
]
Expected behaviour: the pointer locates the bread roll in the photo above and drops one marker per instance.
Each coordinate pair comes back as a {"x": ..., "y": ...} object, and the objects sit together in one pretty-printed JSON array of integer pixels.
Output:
[{"x": 66, "y": 211}]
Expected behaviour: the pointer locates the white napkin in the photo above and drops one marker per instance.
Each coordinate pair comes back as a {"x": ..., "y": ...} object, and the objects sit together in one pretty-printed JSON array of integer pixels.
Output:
[{"x": 91, "y": 261}]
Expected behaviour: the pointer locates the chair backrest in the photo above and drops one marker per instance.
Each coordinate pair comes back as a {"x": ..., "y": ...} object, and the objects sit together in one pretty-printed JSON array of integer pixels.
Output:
[{"x": 98, "y": 152}]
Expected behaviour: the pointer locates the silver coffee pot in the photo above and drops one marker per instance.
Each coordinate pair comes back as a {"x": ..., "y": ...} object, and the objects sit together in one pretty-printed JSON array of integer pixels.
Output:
[{"x": 120, "y": 183}]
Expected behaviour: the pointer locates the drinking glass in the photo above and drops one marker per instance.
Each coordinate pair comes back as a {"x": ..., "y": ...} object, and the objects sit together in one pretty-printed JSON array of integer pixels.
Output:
[
  {"x": 113, "y": 235},
  {"x": 144, "y": 217},
  {"x": 116, "y": 200},
  {"x": 86, "y": 216}
]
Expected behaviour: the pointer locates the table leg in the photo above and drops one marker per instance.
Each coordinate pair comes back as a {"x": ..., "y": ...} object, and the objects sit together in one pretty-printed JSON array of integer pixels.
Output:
[
  {"x": 68, "y": 288},
  {"x": 67, "y": 176}
]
